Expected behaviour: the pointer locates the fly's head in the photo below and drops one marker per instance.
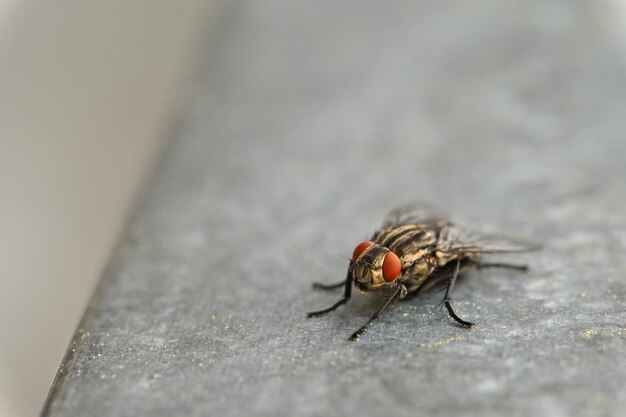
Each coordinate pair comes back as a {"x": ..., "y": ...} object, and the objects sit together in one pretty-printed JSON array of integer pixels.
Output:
[{"x": 374, "y": 266}]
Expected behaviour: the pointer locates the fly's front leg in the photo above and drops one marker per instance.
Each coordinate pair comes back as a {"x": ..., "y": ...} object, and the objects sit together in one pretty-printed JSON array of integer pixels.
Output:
[
  {"x": 346, "y": 296},
  {"x": 446, "y": 299},
  {"x": 398, "y": 291}
]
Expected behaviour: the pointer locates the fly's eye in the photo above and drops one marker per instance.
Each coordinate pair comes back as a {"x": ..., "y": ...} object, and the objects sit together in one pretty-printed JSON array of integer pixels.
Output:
[
  {"x": 391, "y": 267},
  {"x": 359, "y": 250}
]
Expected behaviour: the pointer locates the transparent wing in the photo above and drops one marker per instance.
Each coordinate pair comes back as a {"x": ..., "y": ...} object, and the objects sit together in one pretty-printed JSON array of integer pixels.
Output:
[
  {"x": 415, "y": 213},
  {"x": 453, "y": 239}
]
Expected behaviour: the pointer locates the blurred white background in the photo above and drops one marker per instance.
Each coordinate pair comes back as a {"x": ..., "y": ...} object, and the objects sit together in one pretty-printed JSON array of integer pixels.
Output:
[{"x": 88, "y": 90}]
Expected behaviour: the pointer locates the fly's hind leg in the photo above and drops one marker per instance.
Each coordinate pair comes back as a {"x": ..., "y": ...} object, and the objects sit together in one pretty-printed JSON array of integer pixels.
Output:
[
  {"x": 446, "y": 299},
  {"x": 320, "y": 286},
  {"x": 346, "y": 296},
  {"x": 517, "y": 267}
]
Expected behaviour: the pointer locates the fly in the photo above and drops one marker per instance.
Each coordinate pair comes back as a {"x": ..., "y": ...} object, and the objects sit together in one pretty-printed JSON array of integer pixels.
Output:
[{"x": 414, "y": 249}]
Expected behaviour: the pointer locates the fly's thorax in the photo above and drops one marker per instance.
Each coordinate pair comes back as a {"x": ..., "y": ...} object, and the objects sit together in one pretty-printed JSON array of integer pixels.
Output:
[
  {"x": 370, "y": 269},
  {"x": 422, "y": 268},
  {"x": 444, "y": 258}
]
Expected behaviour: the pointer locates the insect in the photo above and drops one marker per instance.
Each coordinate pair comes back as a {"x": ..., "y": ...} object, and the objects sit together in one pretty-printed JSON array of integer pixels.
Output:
[{"x": 414, "y": 249}]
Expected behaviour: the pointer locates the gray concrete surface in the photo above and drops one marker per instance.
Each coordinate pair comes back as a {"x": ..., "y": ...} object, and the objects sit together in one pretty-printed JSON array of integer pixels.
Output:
[{"x": 312, "y": 121}]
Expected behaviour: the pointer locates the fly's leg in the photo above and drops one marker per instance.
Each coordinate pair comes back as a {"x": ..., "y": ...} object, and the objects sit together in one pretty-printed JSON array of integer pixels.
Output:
[
  {"x": 346, "y": 296},
  {"x": 320, "y": 286},
  {"x": 517, "y": 267},
  {"x": 355, "y": 336},
  {"x": 446, "y": 299}
]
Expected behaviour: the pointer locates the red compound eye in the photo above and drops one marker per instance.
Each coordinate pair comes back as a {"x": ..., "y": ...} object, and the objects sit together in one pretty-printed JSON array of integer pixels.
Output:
[
  {"x": 359, "y": 250},
  {"x": 391, "y": 267}
]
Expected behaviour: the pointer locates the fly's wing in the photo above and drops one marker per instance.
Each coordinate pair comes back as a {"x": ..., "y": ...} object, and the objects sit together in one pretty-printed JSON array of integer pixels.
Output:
[
  {"x": 415, "y": 213},
  {"x": 455, "y": 239}
]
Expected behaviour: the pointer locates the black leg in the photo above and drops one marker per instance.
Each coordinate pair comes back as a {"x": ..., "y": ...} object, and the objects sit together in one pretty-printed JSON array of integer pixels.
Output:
[
  {"x": 320, "y": 286},
  {"x": 446, "y": 299},
  {"x": 355, "y": 336},
  {"x": 467, "y": 324},
  {"x": 517, "y": 267},
  {"x": 346, "y": 296}
]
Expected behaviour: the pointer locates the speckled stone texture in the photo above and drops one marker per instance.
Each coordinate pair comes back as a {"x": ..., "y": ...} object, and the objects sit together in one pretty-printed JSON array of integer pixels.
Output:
[{"x": 311, "y": 122}]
